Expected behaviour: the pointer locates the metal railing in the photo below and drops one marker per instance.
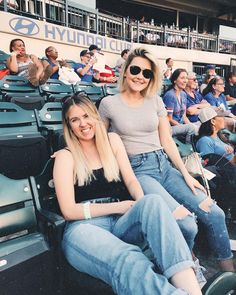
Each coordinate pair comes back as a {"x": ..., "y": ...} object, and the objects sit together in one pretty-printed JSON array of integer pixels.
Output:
[{"x": 69, "y": 13}]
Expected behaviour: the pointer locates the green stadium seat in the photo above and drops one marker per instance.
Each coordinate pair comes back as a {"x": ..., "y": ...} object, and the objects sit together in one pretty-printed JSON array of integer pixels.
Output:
[
  {"x": 49, "y": 120},
  {"x": 93, "y": 91},
  {"x": 20, "y": 238},
  {"x": 55, "y": 90},
  {"x": 23, "y": 149},
  {"x": 221, "y": 284}
]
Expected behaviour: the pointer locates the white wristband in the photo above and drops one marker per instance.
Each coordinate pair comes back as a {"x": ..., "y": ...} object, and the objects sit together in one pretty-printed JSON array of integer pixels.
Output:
[{"x": 86, "y": 209}]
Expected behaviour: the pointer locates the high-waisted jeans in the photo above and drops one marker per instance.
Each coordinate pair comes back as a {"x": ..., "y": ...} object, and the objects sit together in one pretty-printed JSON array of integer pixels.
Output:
[
  {"x": 157, "y": 176},
  {"x": 107, "y": 248}
]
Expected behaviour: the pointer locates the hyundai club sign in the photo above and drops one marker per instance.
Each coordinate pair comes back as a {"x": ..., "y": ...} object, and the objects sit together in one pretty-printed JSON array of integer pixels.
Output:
[{"x": 50, "y": 32}]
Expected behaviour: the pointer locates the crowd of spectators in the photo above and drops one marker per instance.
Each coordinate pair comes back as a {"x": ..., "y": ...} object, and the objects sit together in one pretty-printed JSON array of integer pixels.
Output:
[{"x": 185, "y": 109}]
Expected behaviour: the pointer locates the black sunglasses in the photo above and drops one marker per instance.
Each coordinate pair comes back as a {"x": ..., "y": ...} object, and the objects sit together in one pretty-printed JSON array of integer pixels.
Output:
[{"x": 135, "y": 70}]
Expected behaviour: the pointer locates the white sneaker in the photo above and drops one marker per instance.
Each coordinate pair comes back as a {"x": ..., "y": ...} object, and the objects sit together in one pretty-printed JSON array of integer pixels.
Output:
[{"x": 199, "y": 273}]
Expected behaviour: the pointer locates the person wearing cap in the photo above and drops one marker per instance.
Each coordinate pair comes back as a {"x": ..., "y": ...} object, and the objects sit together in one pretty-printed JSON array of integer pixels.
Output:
[
  {"x": 104, "y": 77},
  {"x": 209, "y": 142},
  {"x": 230, "y": 89},
  {"x": 85, "y": 68},
  {"x": 195, "y": 101}
]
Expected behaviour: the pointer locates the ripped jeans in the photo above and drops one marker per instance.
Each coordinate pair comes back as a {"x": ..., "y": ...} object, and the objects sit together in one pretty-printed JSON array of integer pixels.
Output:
[{"x": 157, "y": 176}]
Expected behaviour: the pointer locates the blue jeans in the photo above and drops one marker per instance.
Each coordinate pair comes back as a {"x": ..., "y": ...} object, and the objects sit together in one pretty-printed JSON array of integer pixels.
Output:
[
  {"x": 107, "y": 248},
  {"x": 157, "y": 176}
]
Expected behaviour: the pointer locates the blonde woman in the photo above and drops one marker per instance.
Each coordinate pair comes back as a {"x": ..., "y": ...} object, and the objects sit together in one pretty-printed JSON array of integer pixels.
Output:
[
  {"x": 138, "y": 115},
  {"x": 94, "y": 182}
]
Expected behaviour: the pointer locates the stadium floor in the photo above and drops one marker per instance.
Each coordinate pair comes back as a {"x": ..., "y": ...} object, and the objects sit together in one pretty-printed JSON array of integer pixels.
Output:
[{"x": 208, "y": 261}]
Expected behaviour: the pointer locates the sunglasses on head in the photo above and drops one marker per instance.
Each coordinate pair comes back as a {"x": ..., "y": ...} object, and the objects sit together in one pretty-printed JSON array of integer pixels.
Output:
[{"x": 135, "y": 70}]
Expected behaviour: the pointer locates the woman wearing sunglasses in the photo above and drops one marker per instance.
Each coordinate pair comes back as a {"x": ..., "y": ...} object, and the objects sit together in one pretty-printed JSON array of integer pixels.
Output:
[
  {"x": 105, "y": 226},
  {"x": 138, "y": 115},
  {"x": 195, "y": 101}
]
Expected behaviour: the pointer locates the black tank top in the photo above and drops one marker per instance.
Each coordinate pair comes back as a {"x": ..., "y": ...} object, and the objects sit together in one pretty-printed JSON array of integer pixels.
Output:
[{"x": 101, "y": 188}]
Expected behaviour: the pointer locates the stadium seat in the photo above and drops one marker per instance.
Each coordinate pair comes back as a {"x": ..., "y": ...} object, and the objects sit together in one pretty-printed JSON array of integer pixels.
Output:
[
  {"x": 110, "y": 89},
  {"x": 221, "y": 284},
  {"x": 28, "y": 103},
  {"x": 17, "y": 86},
  {"x": 46, "y": 201},
  {"x": 49, "y": 120},
  {"x": 3, "y": 56},
  {"x": 185, "y": 149},
  {"x": 94, "y": 92},
  {"x": 55, "y": 90},
  {"x": 20, "y": 238},
  {"x": 23, "y": 150},
  {"x": 15, "y": 120}
]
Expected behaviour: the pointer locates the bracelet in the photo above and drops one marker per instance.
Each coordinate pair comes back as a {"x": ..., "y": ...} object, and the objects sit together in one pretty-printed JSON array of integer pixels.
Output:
[{"x": 86, "y": 209}]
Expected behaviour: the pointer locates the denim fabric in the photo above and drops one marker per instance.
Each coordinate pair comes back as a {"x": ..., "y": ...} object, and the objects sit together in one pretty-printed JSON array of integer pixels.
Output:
[
  {"x": 157, "y": 176},
  {"x": 186, "y": 130},
  {"x": 107, "y": 248}
]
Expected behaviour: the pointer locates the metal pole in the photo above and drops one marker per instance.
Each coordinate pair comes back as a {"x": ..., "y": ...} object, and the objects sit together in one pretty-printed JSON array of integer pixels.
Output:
[
  {"x": 66, "y": 12},
  {"x": 5, "y": 5}
]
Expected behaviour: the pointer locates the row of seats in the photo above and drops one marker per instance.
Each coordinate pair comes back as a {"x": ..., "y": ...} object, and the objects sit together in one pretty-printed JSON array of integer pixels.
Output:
[
  {"x": 28, "y": 138},
  {"x": 20, "y": 91}
]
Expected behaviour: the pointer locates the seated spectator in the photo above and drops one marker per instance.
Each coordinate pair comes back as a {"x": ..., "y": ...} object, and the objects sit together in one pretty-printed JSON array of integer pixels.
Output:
[
  {"x": 12, "y": 4},
  {"x": 195, "y": 101},
  {"x": 169, "y": 68},
  {"x": 215, "y": 97},
  {"x": 230, "y": 89},
  {"x": 175, "y": 101},
  {"x": 85, "y": 68},
  {"x": 221, "y": 156},
  {"x": 209, "y": 142},
  {"x": 108, "y": 75},
  {"x": 52, "y": 55},
  {"x": 206, "y": 80},
  {"x": 27, "y": 65},
  {"x": 108, "y": 216},
  {"x": 122, "y": 59},
  {"x": 211, "y": 70}
]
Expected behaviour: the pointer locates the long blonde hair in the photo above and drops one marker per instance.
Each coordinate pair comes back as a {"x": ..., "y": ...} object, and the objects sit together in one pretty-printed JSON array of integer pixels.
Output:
[
  {"x": 83, "y": 174},
  {"x": 154, "y": 85}
]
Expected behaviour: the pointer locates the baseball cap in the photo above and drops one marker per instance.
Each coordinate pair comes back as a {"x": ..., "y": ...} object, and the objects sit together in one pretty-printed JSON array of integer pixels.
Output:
[
  {"x": 84, "y": 52},
  {"x": 93, "y": 46},
  {"x": 207, "y": 114}
]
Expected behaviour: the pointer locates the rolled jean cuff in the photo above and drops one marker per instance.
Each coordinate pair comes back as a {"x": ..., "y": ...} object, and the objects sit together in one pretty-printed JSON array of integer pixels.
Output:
[
  {"x": 178, "y": 267},
  {"x": 227, "y": 258}
]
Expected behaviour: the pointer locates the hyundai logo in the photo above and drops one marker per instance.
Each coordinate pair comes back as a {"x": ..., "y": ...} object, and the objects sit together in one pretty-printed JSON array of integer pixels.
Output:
[{"x": 24, "y": 26}]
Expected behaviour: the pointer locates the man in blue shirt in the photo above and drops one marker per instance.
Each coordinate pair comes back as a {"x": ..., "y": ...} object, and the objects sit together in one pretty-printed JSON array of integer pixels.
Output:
[{"x": 85, "y": 68}]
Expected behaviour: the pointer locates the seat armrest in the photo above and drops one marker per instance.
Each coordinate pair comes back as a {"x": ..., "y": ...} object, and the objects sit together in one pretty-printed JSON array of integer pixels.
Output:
[{"x": 53, "y": 226}]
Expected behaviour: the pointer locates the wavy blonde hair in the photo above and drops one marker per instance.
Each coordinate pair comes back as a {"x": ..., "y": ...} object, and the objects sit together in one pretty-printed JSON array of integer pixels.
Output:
[
  {"x": 83, "y": 174},
  {"x": 154, "y": 85}
]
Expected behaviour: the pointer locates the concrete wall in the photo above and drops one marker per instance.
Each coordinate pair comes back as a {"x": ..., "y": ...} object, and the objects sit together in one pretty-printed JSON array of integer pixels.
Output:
[{"x": 38, "y": 35}]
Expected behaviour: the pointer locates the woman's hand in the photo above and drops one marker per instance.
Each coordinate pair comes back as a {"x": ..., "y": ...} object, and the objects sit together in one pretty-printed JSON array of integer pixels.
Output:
[
  {"x": 193, "y": 183},
  {"x": 124, "y": 206}
]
